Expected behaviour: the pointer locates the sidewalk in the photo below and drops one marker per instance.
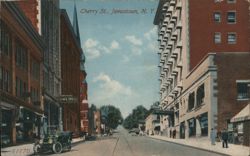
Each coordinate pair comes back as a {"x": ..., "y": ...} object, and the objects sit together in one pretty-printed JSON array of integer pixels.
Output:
[
  {"x": 27, "y": 149},
  {"x": 205, "y": 144}
]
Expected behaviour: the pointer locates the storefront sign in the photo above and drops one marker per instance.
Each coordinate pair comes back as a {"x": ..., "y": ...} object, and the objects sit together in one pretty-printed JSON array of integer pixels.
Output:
[{"x": 67, "y": 99}]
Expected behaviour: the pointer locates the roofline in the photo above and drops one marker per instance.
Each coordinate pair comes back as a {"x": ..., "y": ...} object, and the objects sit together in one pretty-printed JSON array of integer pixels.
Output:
[
  {"x": 66, "y": 17},
  {"x": 25, "y": 24},
  {"x": 159, "y": 12}
]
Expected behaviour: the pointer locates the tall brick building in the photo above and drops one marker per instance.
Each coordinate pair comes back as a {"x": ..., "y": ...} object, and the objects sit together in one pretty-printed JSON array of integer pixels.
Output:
[
  {"x": 21, "y": 75},
  {"x": 70, "y": 66},
  {"x": 44, "y": 16},
  {"x": 204, "y": 50}
]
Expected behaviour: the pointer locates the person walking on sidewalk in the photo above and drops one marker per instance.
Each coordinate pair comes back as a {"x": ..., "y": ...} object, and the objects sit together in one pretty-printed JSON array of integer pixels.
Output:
[
  {"x": 224, "y": 137},
  {"x": 212, "y": 136}
]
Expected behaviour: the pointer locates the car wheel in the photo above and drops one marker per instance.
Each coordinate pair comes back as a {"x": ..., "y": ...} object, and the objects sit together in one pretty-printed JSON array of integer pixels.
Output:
[
  {"x": 57, "y": 147},
  {"x": 69, "y": 147},
  {"x": 36, "y": 148}
]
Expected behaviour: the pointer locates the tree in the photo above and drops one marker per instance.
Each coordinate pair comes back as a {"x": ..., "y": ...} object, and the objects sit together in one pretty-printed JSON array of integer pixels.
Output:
[
  {"x": 111, "y": 116},
  {"x": 138, "y": 114}
]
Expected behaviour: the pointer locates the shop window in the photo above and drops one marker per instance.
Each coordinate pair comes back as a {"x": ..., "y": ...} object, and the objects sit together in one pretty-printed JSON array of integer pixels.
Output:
[
  {"x": 243, "y": 90},
  {"x": 192, "y": 127},
  {"x": 204, "y": 124},
  {"x": 200, "y": 95},
  {"x": 191, "y": 101}
]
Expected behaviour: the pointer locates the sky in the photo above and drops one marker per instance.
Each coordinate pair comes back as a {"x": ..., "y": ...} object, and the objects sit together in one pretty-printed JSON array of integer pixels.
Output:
[{"x": 119, "y": 41}]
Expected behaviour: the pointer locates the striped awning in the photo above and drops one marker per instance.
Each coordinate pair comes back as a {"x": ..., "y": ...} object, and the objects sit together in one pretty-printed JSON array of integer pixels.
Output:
[{"x": 243, "y": 115}]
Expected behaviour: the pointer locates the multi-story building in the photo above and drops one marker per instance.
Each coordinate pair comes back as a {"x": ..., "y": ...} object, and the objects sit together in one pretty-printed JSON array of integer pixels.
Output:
[
  {"x": 70, "y": 65},
  {"x": 45, "y": 17},
  {"x": 152, "y": 122},
  {"x": 21, "y": 75},
  {"x": 204, "y": 72}
]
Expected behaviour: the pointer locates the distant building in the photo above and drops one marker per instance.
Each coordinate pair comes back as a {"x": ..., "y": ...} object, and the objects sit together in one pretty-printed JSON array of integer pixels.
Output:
[
  {"x": 21, "y": 75},
  {"x": 70, "y": 68},
  {"x": 204, "y": 68},
  {"x": 152, "y": 123}
]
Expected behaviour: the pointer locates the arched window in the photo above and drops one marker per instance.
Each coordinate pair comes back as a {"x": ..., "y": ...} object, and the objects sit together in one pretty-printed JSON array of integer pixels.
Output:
[{"x": 200, "y": 95}]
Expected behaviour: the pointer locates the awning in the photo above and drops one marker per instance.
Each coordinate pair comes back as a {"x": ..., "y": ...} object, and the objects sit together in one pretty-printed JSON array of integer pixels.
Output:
[{"x": 243, "y": 115}]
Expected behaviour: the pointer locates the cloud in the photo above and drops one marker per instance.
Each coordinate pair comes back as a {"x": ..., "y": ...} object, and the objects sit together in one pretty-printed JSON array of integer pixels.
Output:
[
  {"x": 136, "y": 51},
  {"x": 114, "y": 45},
  {"x": 109, "y": 88},
  {"x": 90, "y": 43},
  {"x": 125, "y": 59},
  {"x": 151, "y": 34},
  {"x": 95, "y": 49},
  {"x": 133, "y": 40}
]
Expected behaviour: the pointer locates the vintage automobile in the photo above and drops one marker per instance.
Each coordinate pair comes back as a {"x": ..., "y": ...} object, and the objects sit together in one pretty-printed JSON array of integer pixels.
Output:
[{"x": 56, "y": 143}]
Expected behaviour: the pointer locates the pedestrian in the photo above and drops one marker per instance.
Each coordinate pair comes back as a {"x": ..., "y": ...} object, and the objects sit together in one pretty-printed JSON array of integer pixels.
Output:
[
  {"x": 174, "y": 133},
  {"x": 170, "y": 133},
  {"x": 212, "y": 136},
  {"x": 224, "y": 137}
]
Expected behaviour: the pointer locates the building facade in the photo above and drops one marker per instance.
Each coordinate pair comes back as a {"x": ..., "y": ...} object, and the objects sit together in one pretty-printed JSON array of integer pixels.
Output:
[
  {"x": 21, "y": 75},
  {"x": 195, "y": 73},
  {"x": 70, "y": 66},
  {"x": 44, "y": 15}
]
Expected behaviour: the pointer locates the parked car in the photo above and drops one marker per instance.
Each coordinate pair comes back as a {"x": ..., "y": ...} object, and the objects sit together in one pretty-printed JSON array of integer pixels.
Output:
[
  {"x": 5, "y": 140},
  {"x": 55, "y": 142}
]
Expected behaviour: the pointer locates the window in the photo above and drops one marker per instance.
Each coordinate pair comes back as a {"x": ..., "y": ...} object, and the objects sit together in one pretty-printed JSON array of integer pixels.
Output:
[
  {"x": 200, "y": 95},
  {"x": 217, "y": 37},
  {"x": 231, "y": 38},
  {"x": 6, "y": 80},
  {"x": 217, "y": 17},
  {"x": 243, "y": 90},
  {"x": 231, "y": 1},
  {"x": 35, "y": 69},
  {"x": 5, "y": 39},
  {"x": 21, "y": 56},
  {"x": 1, "y": 77},
  {"x": 231, "y": 17},
  {"x": 191, "y": 101}
]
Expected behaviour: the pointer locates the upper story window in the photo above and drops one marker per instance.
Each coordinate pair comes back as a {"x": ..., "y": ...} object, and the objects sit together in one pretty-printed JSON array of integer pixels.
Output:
[
  {"x": 231, "y": 17},
  {"x": 5, "y": 79},
  {"x": 231, "y": 38},
  {"x": 217, "y": 17},
  {"x": 35, "y": 69},
  {"x": 21, "y": 56},
  {"x": 243, "y": 90},
  {"x": 191, "y": 101},
  {"x": 231, "y": 1},
  {"x": 200, "y": 95},
  {"x": 5, "y": 39},
  {"x": 217, "y": 37}
]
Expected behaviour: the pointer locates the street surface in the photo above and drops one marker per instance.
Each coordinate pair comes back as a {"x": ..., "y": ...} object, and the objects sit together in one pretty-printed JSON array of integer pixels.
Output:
[{"x": 124, "y": 144}]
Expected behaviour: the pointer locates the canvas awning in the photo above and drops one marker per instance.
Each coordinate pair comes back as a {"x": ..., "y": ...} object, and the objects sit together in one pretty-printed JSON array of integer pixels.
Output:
[{"x": 243, "y": 115}]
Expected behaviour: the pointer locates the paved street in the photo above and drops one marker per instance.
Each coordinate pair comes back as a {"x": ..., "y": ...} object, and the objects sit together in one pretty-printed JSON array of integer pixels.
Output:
[{"x": 124, "y": 144}]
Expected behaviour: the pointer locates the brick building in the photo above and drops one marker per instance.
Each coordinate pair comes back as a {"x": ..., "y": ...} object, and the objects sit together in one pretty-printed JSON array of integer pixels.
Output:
[
  {"x": 21, "y": 75},
  {"x": 44, "y": 16},
  {"x": 70, "y": 68},
  {"x": 204, "y": 69}
]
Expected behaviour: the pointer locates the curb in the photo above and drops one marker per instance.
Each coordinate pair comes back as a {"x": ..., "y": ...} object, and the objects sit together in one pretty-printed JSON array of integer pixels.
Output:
[{"x": 190, "y": 146}]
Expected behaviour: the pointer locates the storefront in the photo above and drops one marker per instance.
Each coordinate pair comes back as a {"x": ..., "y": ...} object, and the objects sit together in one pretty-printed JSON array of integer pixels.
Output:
[
  {"x": 241, "y": 124},
  {"x": 28, "y": 125}
]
